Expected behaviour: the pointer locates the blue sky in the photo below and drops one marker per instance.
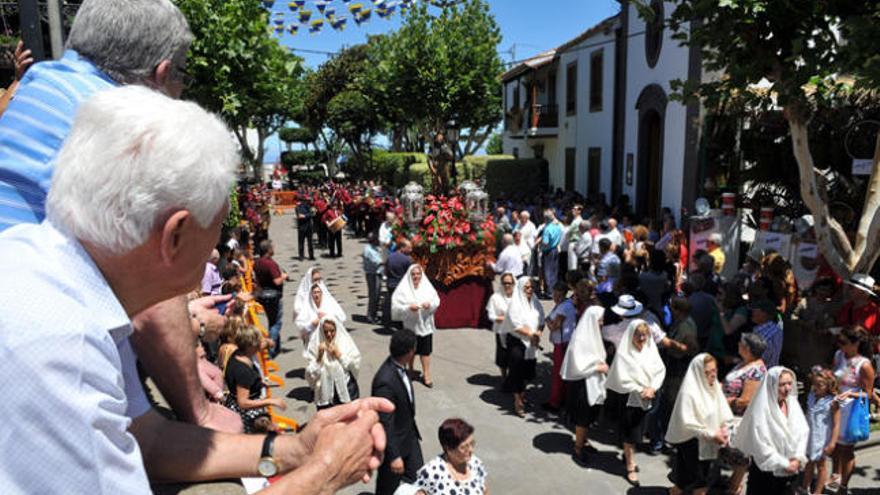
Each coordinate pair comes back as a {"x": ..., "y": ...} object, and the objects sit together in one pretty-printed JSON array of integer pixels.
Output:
[{"x": 527, "y": 26}]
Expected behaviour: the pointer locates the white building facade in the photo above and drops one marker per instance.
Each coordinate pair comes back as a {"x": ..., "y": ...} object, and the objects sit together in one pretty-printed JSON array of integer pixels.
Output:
[{"x": 598, "y": 109}]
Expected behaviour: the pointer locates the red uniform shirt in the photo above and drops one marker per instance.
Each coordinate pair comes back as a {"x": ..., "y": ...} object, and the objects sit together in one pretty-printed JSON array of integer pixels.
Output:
[{"x": 868, "y": 317}]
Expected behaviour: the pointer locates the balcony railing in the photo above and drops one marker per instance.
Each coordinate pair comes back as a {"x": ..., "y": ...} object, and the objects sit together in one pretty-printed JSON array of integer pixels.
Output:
[{"x": 544, "y": 116}]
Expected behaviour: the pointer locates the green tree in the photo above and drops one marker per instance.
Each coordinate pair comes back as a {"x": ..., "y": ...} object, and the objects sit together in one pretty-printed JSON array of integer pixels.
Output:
[
  {"x": 438, "y": 68},
  {"x": 301, "y": 135},
  {"x": 807, "y": 51},
  {"x": 240, "y": 71},
  {"x": 340, "y": 106},
  {"x": 495, "y": 144}
]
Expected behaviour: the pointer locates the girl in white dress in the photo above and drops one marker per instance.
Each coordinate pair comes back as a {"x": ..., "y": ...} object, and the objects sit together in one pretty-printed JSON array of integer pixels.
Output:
[
  {"x": 333, "y": 362},
  {"x": 320, "y": 304},
  {"x": 414, "y": 302}
]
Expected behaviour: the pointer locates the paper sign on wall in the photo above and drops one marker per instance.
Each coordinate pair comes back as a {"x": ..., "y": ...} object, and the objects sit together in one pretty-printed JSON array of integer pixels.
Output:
[
  {"x": 805, "y": 264},
  {"x": 774, "y": 241},
  {"x": 862, "y": 166}
]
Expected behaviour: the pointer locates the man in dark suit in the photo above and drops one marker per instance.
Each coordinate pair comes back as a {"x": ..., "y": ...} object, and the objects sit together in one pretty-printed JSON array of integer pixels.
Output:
[{"x": 403, "y": 454}]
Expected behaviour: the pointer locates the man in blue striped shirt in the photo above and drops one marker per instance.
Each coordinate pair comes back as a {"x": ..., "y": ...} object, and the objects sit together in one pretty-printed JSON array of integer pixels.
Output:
[
  {"x": 111, "y": 43},
  {"x": 764, "y": 318}
]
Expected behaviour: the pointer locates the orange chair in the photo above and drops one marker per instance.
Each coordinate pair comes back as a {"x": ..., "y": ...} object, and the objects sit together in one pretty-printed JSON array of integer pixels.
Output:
[{"x": 282, "y": 422}]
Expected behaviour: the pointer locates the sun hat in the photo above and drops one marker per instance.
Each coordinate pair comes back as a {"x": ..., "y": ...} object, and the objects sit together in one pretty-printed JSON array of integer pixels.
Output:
[
  {"x": 627, "y": 306},
  {"x": 863, "y": 282}
]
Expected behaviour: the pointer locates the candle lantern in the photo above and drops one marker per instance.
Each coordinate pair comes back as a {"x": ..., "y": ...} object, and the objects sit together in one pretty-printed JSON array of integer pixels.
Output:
[
  {"x": 477, "y": 204},
  {"x": 466, "y": 187},
  {"x": 413, "y": 200}
]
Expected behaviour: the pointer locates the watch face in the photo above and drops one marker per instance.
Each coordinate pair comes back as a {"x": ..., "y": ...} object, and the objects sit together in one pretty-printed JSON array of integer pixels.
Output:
[{"x": 267, "y": 467}]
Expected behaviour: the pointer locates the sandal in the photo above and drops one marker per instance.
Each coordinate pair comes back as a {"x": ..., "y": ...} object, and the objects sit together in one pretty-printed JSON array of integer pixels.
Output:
[{"x": 633, "y": 482}]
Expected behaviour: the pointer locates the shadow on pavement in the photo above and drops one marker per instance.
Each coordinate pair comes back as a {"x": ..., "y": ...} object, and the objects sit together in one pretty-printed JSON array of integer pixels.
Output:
[
  {"x": 383, "y": 331},
  {"x": 296, "y": 373},
  {"x": 648, "y": 490},
  {"x": 301, "y": 393},
  {"x": 553, "y": 442}
]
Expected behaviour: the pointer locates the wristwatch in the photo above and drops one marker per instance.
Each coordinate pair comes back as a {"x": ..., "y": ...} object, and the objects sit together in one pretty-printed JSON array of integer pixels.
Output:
[
  {"x": 267, "y": 467},
  {"x": 202, "y": 327}
]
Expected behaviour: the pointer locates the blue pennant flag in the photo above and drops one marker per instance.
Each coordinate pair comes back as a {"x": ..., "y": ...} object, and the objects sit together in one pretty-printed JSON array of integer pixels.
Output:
[
  {"x": 321, "y": 5},
  {"x": 268, "y": 3},
  {"x": 330, "y": 12},
  {"x": 305, "y": 16},
  {"x": 355, "y": 8},
  {"x": 293, "y": 28},
  {"x": 316, "y": 26},
  {"x": 292, "y": 6},
  {"x": 338, "y": 23}
]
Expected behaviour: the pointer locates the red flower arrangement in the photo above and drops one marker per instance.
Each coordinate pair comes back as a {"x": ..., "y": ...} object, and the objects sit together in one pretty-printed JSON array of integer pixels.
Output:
[
  {"x": 447, "y": 244},
  {"x": 446, "y": 225}
]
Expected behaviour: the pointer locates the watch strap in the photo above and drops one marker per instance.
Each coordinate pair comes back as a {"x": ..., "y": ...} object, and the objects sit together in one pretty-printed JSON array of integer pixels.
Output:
[{"x": 268, "y": 444}]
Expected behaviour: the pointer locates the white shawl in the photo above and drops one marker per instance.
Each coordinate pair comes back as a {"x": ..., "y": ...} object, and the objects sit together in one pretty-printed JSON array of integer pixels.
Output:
[
  {"x": 767, "y": 435},
  {"x": 633, "y": 371},
  {"x": 308, "y": 312},
  {"x": 523, "y": 313},
  {"x": 497, "y": 306},
  {"x": 331, "y": 374},
  {"x": 585, "y": 353},
  {"x": 421, "y": 322},
  {"x": 301, "y": 299},
  {"x": 700, "y": 410}
]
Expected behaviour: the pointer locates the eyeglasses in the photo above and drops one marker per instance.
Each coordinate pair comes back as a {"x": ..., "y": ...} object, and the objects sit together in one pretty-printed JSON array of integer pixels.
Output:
[{"x": 184, "y": 76}]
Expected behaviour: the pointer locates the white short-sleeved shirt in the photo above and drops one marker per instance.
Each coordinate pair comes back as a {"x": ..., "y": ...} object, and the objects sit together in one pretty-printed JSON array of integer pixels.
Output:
[
  {"x": 434, "y": 478},
  {"x": 67, "y": 371}
]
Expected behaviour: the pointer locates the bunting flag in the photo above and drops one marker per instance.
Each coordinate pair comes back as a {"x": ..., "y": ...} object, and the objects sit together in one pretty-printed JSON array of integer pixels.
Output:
[
  {"x": 330, "y": 12},
  {"x": 321, "y": 5},
  {"x": 279, "y": 29},
  {"x": 292, "y": 6},
  {"x": 268, "y": 3},
  {"x": 305, "y": 16},
  {"x": 362, "y": 16},
  {"x": 355, "y": 8},
  {"x": 379, "y": 4},
  {"x": 300, "y": 3},
  {"x": 293, "y": 29},
  {"x": 316, "y": 26},
  {"x": 279, "y": 21},
  {"x": 338, "y": 23}
]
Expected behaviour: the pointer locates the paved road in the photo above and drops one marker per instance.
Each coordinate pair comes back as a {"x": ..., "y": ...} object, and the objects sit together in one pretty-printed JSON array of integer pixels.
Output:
[{"x": 528, "y": 455}]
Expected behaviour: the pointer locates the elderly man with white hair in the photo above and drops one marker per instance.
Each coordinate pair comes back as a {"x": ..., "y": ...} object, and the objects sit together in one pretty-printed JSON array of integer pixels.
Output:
[
  {"x": 112, "y": 43},
  {"x": 139, "y": 193},
  {"x": 510, "y": 260}
]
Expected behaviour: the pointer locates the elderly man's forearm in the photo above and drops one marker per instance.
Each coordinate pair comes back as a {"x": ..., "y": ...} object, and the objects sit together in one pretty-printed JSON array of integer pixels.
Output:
[{"x": 163, "y": 342}]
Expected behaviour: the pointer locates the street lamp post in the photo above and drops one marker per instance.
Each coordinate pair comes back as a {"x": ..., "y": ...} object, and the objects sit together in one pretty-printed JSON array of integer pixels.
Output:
[{"x": 452, "y": 135}]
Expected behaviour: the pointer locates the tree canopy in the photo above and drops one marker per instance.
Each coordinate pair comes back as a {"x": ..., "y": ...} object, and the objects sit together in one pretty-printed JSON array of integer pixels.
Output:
[
  {"x": 793, "y": 55},
  {"x": 240, "y": 71}
]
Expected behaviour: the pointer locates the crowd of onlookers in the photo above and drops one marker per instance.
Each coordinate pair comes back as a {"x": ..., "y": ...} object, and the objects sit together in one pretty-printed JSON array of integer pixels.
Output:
[{"x": 647, "y": 315}]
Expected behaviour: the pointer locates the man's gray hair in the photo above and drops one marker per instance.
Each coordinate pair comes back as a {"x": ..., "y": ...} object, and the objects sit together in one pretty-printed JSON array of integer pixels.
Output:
[
  {"x": 134, "y": 156},
  {"x": 716, "y": 238},
  {"x": 507, "y": 239},
  {"x": 128, "y": 39}
]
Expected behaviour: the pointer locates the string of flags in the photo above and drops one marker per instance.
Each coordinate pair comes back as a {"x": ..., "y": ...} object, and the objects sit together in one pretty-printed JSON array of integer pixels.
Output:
[{"x": 358, "y": 11}]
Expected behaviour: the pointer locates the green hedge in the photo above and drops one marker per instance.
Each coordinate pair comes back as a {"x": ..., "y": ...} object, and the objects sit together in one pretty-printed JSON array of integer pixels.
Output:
[
  {"x": 474, "y": 167},
  {"x": 511, "y": 176},
  {"x": 302, "y": 157},
  {"x": 398, "y": 168}
]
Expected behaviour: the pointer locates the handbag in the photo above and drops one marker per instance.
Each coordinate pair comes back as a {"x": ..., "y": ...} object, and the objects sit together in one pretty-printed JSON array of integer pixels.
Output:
[{"x": 858, "y": 426}]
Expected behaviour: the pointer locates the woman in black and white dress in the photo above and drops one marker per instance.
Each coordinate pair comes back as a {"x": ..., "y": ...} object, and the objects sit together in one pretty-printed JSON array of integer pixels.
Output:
[
  {"x": 584, "y": 370},
  {"x": 496, "y": 308},
  {"x": 774, "y": 433},
  {"x": 457, "y": 471},
  {"x": 633, "y": 380}
]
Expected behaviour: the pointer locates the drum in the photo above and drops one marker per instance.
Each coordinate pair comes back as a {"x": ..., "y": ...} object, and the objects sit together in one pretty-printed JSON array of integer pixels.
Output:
[{"x": 336, "y": 225}]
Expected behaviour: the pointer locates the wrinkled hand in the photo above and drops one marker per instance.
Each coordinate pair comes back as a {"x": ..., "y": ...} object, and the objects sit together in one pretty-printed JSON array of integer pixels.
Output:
[
  {"x": 397, "y": 466},
  {"x": 647, "y": 393},
  {"x": 426, "y": 305},
  {"x": 720, "y": 437},
  {"x": 794, "y": 466},
  {"x": 345, "y": 450},
  {"x": 344, "y": 414},
  {"x": 23, "y": 60},
  {"x": 413, "y": 307},
  {"x": 602, "y": 368},
  {"x": 204, "y": 310}
]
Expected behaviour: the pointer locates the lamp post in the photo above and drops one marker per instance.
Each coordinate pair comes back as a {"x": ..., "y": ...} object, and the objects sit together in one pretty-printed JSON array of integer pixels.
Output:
[{"x": 452, "y": 134}]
